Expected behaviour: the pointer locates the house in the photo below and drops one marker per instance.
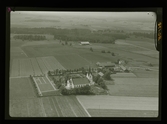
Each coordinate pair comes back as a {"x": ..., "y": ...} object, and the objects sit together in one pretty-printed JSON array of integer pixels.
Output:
[
  {"x": 101, "y": 74},
  {"x": 84, "y": 43},
  {"x": 105, "y": 64},
  {"x": 122, "y": 67}
]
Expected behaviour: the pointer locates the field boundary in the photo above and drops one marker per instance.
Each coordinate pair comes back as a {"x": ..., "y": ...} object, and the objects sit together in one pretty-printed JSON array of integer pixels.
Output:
[
  {"x": 23, "y": 52},
  {"x": 55, "y": 107},
  {"x": 83, "y": 107},
  {"x": 71, "y": 108}
]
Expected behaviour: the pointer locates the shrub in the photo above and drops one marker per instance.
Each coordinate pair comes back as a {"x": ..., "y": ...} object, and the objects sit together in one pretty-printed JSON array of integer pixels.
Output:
[
  {"x": 91, "y": 49},
  {"x": 103, "y": 85},
  {"x": 108, "y": 52}
]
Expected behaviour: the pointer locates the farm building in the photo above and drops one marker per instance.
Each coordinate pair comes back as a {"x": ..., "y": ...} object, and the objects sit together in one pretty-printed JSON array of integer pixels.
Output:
[
  {"x": 105, "y": 64},
  {"x": 84, "y": 43}
]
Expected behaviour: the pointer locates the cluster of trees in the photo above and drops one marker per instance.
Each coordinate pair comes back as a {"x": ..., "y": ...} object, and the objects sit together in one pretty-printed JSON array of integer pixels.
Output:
[
  {"x": 143, "y": 34},
  {"x": 100, "y": 82},
  {"x": 58, "y": 82},
  {"x": 85, "y": 90},
  {"x": 74, "y": 34},
  {"x": 30, "y": 37},
  {"x": 79, "y": 70}
]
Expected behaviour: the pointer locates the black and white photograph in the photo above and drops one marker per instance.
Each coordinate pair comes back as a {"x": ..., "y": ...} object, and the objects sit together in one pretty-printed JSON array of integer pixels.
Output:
[{"x": 83, "y": 64}]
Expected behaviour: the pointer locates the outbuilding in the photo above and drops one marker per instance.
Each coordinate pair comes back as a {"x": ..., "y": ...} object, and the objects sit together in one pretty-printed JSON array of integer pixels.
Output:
[{"x": 84, "y": 43}]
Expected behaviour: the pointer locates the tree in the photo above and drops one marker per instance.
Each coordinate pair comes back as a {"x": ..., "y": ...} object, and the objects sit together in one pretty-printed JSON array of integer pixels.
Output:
[
  {"x": 100, "y": 80},
  {"x": 91, "y": 49},
  {"x": 113, "y": 54},
  {"x": 96, "y": 78},
  {"x": 107, "y": 75},
  {"x": 66, "y": 43},
  {"x": 103, "y": 85}
]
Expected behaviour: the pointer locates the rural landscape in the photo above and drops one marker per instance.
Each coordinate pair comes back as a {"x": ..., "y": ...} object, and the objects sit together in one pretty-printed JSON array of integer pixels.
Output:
[{"x": 83, "y": 64}]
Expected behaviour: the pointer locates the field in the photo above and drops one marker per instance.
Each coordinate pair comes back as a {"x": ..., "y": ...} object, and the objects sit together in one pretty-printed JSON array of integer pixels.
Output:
[
  {"x": 25, "y": 103},
  {"x": 34, "y": 66},
  {"x": 136, "y": 87},
  {"x": 55, "y": 106},
  {"x": 120, "y": 106},
  {"x": 122, "y": 113},
  {"x": 21, "y": 88}
]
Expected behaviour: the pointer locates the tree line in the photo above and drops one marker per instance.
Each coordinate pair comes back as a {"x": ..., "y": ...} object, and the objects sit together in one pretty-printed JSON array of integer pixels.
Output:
[
  {"x": 143, "y": 34},
  {"x": 74, "y": 34},
  {"x": 30, "y": 37}
]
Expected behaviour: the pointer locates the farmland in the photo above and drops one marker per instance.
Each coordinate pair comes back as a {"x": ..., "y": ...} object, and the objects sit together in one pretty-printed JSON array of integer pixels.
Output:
[
  {"x": 34, "y": 66},
  {"x": 133, "y": 94},
  {"x": 137, "y": 87},
  {"x": 122, "y": 113},
  {"x": 120, "y": 106},
  {"x": 55, "y": 106}
]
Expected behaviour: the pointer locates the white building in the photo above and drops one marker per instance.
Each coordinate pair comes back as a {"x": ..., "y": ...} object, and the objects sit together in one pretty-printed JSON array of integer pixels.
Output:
[{"x": 84, "y": 43}]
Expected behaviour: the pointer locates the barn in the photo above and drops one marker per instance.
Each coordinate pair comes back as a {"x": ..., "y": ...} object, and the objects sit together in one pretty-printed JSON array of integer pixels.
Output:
[{"x": 84, "y": 43}]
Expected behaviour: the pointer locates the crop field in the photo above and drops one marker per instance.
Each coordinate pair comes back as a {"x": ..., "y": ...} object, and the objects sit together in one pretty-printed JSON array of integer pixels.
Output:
[
  {"x": 73, "y": 61},
  {"x": 21, "y": 88},
  {"x": 136, "y": 87},
  {"x": 33, "y": 66},
  {"x": 123, "y": 75},
  {"x": 122, "y": 113},
  {"x": 119, "y": 102},
  {"x": 55, "y": 106}
]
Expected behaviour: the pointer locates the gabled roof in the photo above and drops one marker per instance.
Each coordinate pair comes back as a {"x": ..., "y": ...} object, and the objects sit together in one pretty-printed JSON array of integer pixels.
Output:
[
  {"x": 80, "y": 81},
  {"x": 100, "y": 73}
]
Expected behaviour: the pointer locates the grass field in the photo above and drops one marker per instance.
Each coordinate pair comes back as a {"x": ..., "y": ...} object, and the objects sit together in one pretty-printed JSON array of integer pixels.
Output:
[
  {"x": 137, "y": 87},
  {"x": 119, "y": 102}
]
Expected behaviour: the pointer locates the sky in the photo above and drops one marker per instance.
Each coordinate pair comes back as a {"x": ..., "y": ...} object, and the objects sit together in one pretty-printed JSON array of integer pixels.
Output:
[{"x": 124, "y": 15}]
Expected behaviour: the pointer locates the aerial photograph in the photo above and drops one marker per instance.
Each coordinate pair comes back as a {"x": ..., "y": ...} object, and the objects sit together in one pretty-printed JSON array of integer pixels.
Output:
[{"x": 83, "y": 64}]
